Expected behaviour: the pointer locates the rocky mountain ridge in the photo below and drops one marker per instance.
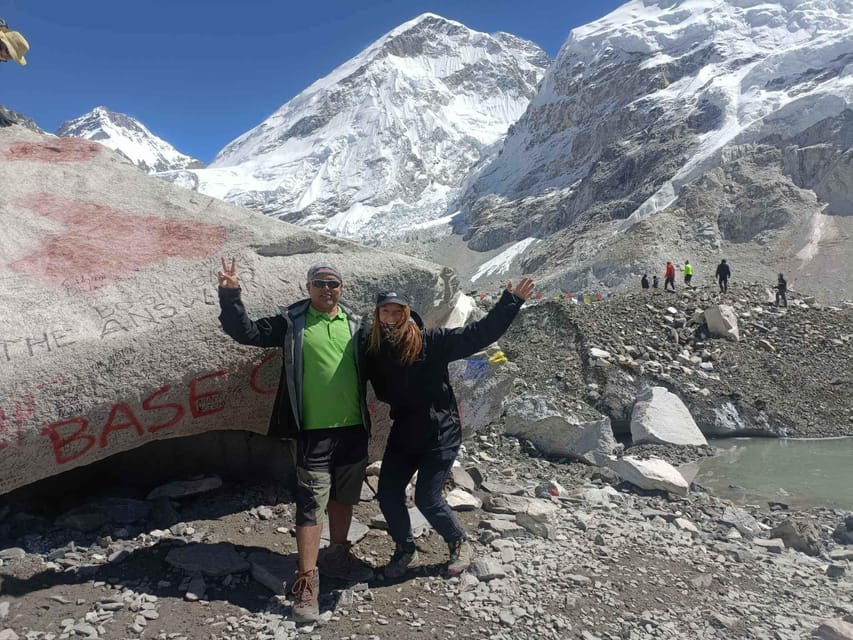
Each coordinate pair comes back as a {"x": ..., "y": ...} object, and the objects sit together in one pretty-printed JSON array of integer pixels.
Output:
[{"x": 131, "y": 138}]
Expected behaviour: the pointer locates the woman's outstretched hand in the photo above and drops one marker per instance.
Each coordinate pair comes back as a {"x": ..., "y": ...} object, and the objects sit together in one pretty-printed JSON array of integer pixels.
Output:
[
  {"x": 524, "y": 289},
  {"x": 228, "y": 277}
]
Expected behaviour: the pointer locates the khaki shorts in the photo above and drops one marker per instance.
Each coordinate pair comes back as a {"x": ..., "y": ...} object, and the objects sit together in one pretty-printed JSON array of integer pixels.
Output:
[{"x": 330, "y": 465}]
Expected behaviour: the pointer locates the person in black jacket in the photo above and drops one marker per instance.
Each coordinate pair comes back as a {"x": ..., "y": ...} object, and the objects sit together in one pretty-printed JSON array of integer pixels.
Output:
[
  {"x": 723, "y": 274},
  {"x": 407, "y": 366},
  {"x": 319, "y": 337},
  {"x": 644, "y": 281},
  {"x": 781, "y": 290}
]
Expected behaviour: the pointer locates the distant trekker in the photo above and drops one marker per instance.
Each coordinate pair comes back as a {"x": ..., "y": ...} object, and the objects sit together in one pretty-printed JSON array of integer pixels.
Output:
[
  {"x": 644, "y": 281},
  {"x": 655, "y": 282},
  {"x": 688, "y": 273},
  {"x": 781, "y": 290},
  {"x": 722, "y": 275},
  {"x": 669, "y": 276}
]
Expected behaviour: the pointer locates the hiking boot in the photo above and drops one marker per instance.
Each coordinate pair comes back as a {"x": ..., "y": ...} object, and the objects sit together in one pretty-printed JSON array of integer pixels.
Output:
[
  {"x": 340, "y": 562},
  {"x": 460, "y": 557},
  {"x": 404, "y": 557},
  {"x": 306, "y": 591}
]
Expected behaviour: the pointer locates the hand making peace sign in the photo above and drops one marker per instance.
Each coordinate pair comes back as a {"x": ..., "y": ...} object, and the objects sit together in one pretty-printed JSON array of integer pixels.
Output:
[{"x": 228, "y": 277}]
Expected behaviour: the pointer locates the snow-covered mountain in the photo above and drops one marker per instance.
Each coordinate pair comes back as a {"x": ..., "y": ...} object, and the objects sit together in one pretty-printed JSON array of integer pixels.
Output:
[
  {"x": 385, "y": 141},
  {"x": 130, "y": 137},
  {"x": 670, "y": 126}
]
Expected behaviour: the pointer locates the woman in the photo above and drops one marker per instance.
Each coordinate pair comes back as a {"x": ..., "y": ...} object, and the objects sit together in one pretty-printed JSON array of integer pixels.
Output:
[{"x": 407, "y": 366}]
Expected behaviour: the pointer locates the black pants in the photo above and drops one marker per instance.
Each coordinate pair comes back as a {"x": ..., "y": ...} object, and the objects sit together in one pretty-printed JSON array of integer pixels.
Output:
[
  {"x": 781, "y": 295},
  {"x": 433, "y": 467},
  {"x": 724, "y": 284},
  {"x": 669, "y": 281}
]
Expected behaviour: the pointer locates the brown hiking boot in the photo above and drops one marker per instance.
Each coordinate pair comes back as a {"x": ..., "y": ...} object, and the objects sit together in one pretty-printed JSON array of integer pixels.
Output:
[
  {"x": 460, "y": 557},
  {"x": 338, "y": 561},
  {"x": 306, "y": 591}
]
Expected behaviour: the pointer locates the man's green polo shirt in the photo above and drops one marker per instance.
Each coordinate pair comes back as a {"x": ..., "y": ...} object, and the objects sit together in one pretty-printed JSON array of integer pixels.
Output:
[{"x": 329, "y": 376}]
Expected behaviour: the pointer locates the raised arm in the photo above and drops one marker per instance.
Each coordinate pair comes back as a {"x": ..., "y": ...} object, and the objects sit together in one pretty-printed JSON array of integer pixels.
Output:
[
  {"x": 266, "y": 332},
  {"x": 454, "y": 344}
]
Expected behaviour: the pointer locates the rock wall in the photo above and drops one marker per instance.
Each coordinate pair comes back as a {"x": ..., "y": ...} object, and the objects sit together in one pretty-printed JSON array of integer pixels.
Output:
[{"x": 111, "y": 338}]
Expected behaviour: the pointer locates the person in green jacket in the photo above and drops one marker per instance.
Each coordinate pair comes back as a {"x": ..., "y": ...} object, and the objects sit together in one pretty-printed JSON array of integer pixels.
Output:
[{"x": 688, "y": 273}]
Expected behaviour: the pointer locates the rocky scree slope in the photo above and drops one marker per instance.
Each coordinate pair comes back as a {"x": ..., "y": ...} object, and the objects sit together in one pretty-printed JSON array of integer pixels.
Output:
[{"x": 790, "y": 374}]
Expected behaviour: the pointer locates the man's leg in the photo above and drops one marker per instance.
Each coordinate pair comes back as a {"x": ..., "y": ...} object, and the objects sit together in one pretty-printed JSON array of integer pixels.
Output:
[
  {"x": 348, "y": 466},
  {"x": 308, "y": 545},
  {"x": 340, "y": 518}
]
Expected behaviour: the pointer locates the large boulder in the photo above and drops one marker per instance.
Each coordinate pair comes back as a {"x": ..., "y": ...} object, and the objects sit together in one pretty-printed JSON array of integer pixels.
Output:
[
  {"x": 558, "y": 431},
  {"x": 660, "y": 417},
  {"x": 722, "y": 322},
  {"x": 652, "y": 474},
  {"x": 110, "y": 305}
]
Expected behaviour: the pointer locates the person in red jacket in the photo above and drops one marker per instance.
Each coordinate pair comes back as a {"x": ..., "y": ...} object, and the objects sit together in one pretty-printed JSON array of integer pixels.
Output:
[{"x": 669, "y": 276}]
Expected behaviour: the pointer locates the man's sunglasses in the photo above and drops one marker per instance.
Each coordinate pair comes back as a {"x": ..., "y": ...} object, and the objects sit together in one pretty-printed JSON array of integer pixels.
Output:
[{"x": 322, "y": 284}]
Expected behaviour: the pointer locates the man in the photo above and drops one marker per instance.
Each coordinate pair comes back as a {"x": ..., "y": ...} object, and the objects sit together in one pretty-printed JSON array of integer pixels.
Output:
[
  {"x": 13, "y": 45},
  {"x": 321, "y": 403},
  {"x": 688, "y": 273},
  {"x": 723, "y": 274},
  {"x": 781, "y": 290},
  {"x": 655, "y": 282},
  {"x": 644, "y": 281},
  {"x": 669, "y": 276}
]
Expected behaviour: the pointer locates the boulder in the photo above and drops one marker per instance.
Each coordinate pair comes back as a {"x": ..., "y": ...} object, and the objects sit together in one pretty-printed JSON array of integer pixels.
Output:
[
  {"x": 216, "y": 560},
  {"x": 273, "y": 570},
  {"x": 557, "y": 432},
  {"x": 461, "y": 500},
  {"x": 111, "y": 305},
  {"x": 722, "y": 322},
  {"x": 652, "y": 474},
  {"x": 660, "y": 417},
  {"x": 836, "y": 629}
]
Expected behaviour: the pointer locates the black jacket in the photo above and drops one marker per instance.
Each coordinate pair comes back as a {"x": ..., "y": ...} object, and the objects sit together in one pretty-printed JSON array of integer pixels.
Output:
[
  {"x": 723, "y": 271},
  {"x": 423, "y": 406},
  {"x": 284, "y": 330}
]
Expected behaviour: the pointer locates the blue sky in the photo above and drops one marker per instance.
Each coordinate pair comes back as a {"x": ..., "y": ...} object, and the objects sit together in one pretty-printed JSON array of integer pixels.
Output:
[{"x": 198, "y": 73}]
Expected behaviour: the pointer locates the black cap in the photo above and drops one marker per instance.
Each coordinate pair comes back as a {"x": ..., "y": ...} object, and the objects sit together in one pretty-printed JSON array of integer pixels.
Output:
[{"x": 391, "y": 297}]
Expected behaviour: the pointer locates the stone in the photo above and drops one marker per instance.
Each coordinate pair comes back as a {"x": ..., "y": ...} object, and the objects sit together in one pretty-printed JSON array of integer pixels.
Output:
[
  {"x": 461, "y": 500},
  {"x": 87, "y": 518},
  {"x": 13, "y": 553},
  {"x": 485, "y": 569},
  {"x": 373, "y": 468},
  {"x": 367, "y": 493},
  {"x": 502, "y": 503},
  {"x": 500, "y": 487},
  {"x": 652, "y": 474},
  {"x": 273, "y": 570},
  {"x": 549, "y": 489},
  {"x": 741, "y": 520},
  {"x": 773, "y": 545},
  {"x": 685, "y": 525},
  {"x": 463, "y": 479},
  {"x": 795, "y": 537},
  {"x": 197, "y": 588},
  {"x": 841, "y": 554},
  {"x": 601, "y": 496},
  {"x": 836, "y": 570},
  {"x": 504, "y": 528},
  {"x": 557, "y": 432},
  {"x": 4, "y": 610},
  {"x": 125, "y": 510},
  {"x": 215, "y": 560},
  {"x": 834, "y": 630},
  {"x": 594, "y": 352},
  {"x": 534, "y": 526},
  {"x": 722, "y": 322},
  {"x": 184, "y": 488},
  {"x": 660, "y": 417}
]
